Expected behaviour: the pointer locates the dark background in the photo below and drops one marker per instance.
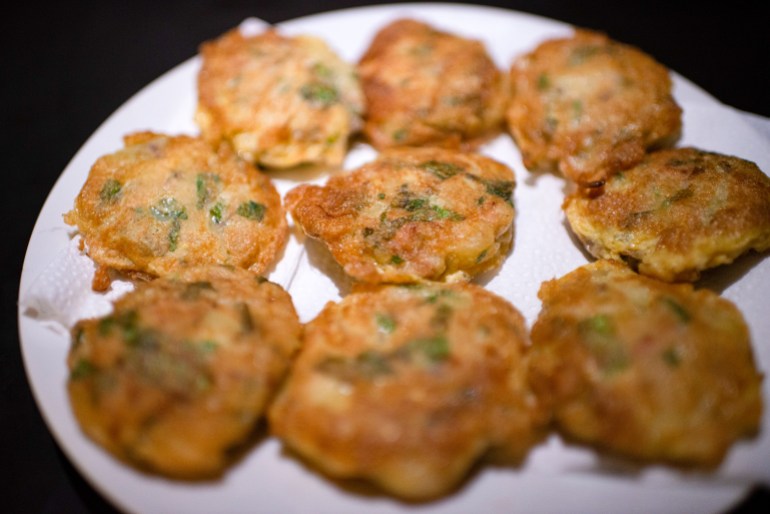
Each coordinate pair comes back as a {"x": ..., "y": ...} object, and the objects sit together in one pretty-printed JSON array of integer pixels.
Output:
[{"x": 68, "y": 65}]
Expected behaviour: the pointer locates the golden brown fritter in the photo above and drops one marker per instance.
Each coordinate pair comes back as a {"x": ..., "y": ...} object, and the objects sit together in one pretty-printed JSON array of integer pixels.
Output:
[
  {"x": 412, "y": 214},
  {"x": 280, "y": 101},
  {"x": 588, "y": 106},
  {"x": 647, "y": 370},
  {"x": 165, "y": 202},
  {"x": 180, "y": 373},
  {"x": 409, "y": 386},
  {"x": 678, "y": 212},
  {"x": 425, "y": 87}
]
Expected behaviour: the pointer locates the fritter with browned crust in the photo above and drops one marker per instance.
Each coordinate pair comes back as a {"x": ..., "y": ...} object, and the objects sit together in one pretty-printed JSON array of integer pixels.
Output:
[
  {"x": 412, "y": 214},
  {"x": 409, "y": 386},
  {"x": 677, "y": 213},
  {"x": 165, "y": 202},
  {"x": 644, "y": 369},
  {"x": 427, "y": 87},
  {"x": 280, "y": 101},
  {"x": 181, "y": 372},
  {"x": 587, "y": 106}
]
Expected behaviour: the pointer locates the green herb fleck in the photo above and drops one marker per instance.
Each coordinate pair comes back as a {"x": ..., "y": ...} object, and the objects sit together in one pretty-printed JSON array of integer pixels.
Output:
[
  {"x": 82, "y": 369},
  {"x": 208, "y": 346},
  {"x": 319, "y": 94},
  {"x": 400, "y": 135},
  {"x": 168, "y": 209},
  {"x": 577, "y": 109},
  {"x": 435, "y": 349},
  {"x": 672, "y": 357},
  {"x": 205, "y": 188},
  {"x": 598, "y": 333},
  {"x": 582, "y": 53},
  {"x": 681, "y": 313},
  {"x": 442, "y": 170},
  {"x": 193, "y": 290},
  {"x": 247, "y": 321},
  {"x": 110, "y": 190},
  {"x": 543, "y": 82},
  {"x": 385, "y": 323},
  {"x": 252, "y": 210},
  {"x": 682, "y": 194},
  {"x": 322, "y": 70},
  {"x": 395, "y": 259},
  {"x": 216, "y": 213}
]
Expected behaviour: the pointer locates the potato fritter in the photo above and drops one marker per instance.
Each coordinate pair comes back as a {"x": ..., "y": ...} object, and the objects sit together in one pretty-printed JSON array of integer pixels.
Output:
[
  {"x": 181, "y": 372},
  {"x": 409, "y": 386},
  {"x": 425, "y": 87},
  {"x": 587, "y": 106},
  {"x": 678, "y": 212},
  {"x": 412, "y": 214},
  {"x": 280, "y": 101},
  {"x": 644, "y": 369},
  {"x": 164, "y": 202}
]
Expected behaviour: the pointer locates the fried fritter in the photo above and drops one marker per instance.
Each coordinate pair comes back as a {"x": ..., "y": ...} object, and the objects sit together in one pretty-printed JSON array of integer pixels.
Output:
[
  {"x": 412, "y": 214},
  {"x": 678, "y": 212},
  {"x": 426, "y": 87},
  {"x": 588, "y": 106},
  {"x": 409, "y": 386},
  {"x": 164, "y": 202},
  {"x": 644, "y": 369},
  {"x": 280, "y": 101},
  {"x": 181, "y": 372}
]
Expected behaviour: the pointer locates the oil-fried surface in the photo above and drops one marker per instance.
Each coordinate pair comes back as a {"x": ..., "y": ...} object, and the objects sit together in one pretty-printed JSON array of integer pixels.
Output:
[
  {"x": 178, "y": 376},
  {"x": 588, "y": 106},
  {"x": 675, "y": 214},
  {"x": 426, "y": 87},
  {"x": 412, "y": 214},
  {"x": 645, "y": 369},
  {"x": 409, "y": 386},
  {"x": 280, "y": 101},
  {"x": 165, "y": 202}
]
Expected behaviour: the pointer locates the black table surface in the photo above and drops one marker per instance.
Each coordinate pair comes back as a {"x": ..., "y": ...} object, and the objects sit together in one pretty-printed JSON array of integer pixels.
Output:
[{"x": 68, "y": 65}]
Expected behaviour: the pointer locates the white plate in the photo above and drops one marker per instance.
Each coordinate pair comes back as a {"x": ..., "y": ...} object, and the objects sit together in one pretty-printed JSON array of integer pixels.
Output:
[{"x": 555, "y": 478}]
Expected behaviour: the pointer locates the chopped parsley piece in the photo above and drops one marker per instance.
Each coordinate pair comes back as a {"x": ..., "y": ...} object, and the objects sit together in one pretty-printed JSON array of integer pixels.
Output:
[
  {"x": 672, "y": 357},
  {"x": 205, "y": 188},
  {"x": 432, "y": 350},
  {"x": 365, "y": 366},
  {"x": 679, "y": 311},
  {"x": 110, "y": 190},
  {"x": 193, "y": 290},
  {"x": 598, "y": 333},
  {"x": 168, "y": 209},
  {"x": 582, "y": 53},
  {"x": 395, "y": 259},
  {"x": 543, "y": 82},
  {"x": 413, "y": 204},
  {"x": 682, "y": 194},
  {"x": 251, "y": 210},
  {"x": 216, "y": 213},
  {"x": 442, "y": 170},
  {"x": 82, "y": 369},
  {"x": 247, "y": 321},
  {"x": 400, "y": 134},
  {"x": 319, "y": 94},
  {"x": 322, "y": 70},
  {"x": 385, "y": 323},
  {"x": 208, "y": 346}
]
